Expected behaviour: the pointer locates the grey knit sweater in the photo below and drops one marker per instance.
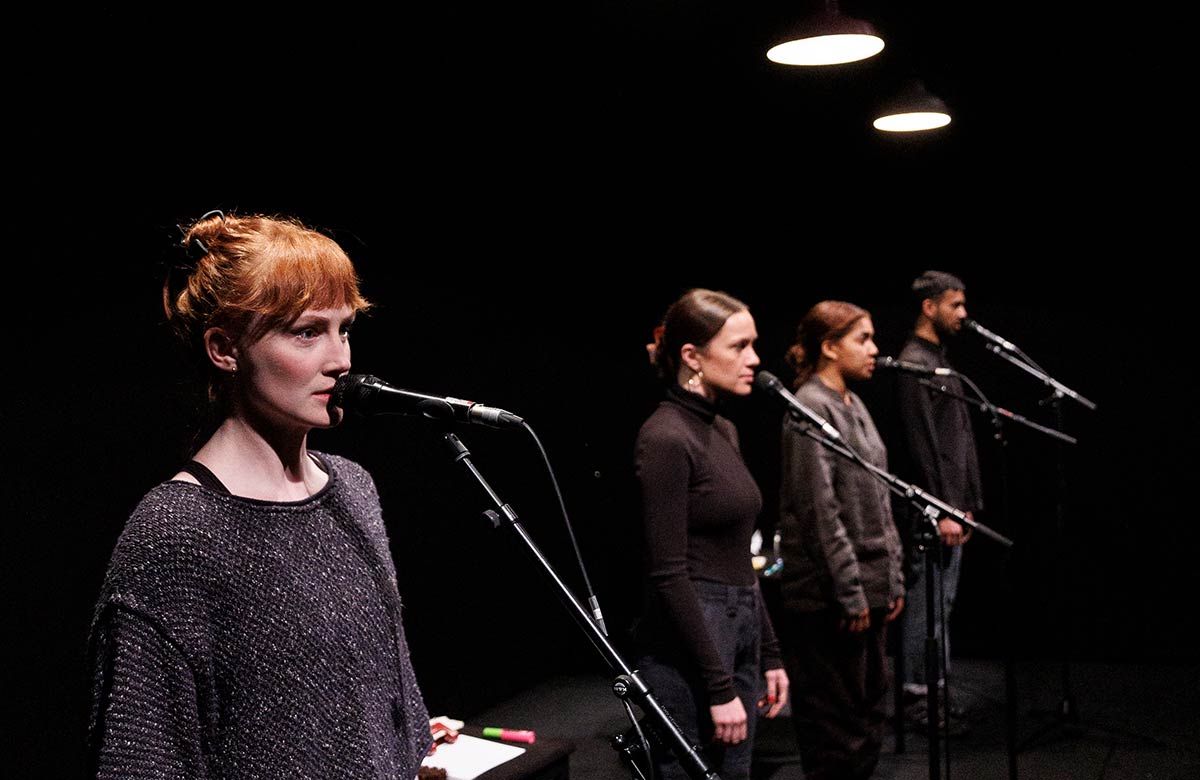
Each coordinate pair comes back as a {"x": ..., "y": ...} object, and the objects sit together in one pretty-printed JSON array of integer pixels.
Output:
[{"x": 236, "y": 638}]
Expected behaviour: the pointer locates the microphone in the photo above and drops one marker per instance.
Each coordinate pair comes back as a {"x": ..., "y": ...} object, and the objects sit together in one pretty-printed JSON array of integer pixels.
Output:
[
  {"x": 992, "y": 337},
  {"x": 768, "y": 382},
  {"x": 910, "y": 367},
  {"x": 370, "y": 395}
]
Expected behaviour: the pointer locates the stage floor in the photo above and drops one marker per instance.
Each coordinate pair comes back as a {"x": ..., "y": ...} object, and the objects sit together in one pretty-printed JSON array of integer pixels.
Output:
[{"x": 1134, "y": 721}]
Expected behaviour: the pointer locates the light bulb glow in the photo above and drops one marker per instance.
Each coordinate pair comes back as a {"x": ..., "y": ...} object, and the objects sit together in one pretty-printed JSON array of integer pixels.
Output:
[
  {"x": 826, "y": 49},
  {"x": 912, "y": 121}
]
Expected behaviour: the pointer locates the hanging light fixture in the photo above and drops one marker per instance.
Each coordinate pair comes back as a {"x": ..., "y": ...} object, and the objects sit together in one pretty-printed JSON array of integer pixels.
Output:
[
  {"x": 911, "y": 109},
  {"x": 827, "y": 38}
]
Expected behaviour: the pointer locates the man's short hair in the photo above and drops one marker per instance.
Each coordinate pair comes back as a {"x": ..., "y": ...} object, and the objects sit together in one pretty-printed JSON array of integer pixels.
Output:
[{"x": 932, "y": 284}]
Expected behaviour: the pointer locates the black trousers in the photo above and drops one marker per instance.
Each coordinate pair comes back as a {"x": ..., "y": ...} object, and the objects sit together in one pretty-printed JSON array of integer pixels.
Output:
[
  {"x": 731, "y": 614},
  {"x": 839, "y": 682}
]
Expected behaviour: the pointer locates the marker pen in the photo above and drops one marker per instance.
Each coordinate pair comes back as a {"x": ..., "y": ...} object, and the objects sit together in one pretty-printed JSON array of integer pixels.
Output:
[{"x": 510, "y": 735}]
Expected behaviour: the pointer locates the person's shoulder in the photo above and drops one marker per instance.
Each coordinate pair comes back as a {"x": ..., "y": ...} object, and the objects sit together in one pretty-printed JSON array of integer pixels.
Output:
[
  {"x": 667, "y": 426},
  {"x": 179, "y": 513},
  {"x": 916, "y": 351},
  {"x": 339, "y": 464},
  {"x": 664, "y": 416},
  {"x": 724, "y": 424},
  {"x": 348, "y": 473},
  {"x": 814, "y": 393},
  {"x": 170, "y": 540},
  {"x": 172, "y": 508}
]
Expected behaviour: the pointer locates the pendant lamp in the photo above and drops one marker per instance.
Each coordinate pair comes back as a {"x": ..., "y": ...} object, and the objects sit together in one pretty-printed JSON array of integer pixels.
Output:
[
  {"x": 912, "y": 108},
  {"x": 827, "y": 37}
]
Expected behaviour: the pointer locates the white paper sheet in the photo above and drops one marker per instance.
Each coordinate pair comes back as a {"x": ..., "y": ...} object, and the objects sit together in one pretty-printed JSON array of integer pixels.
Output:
[{"x": 468, "y": 757}]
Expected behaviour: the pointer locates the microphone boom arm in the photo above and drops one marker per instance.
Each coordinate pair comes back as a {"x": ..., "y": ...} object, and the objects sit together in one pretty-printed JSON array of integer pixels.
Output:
[
  {"x": 1010, "y": 352},
  {"x": 997, "y": 412},
  {"x": 1050, "y": 381},
  {"x": 912, "y": 493}
]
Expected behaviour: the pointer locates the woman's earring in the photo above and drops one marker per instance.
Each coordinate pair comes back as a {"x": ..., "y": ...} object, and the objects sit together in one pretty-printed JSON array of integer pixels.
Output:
[{"x": 695, "y": 379}]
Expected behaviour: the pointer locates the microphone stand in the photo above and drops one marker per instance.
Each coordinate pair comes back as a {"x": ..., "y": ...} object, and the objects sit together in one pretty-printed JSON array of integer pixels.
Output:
[
  {"x": 627, "y": 684},
  {"x": 932, "y": 509},
  {"x": 927, "y": 538},
  {"x": 997, "y": 416},
  {"x": 1067, "y": 712}
]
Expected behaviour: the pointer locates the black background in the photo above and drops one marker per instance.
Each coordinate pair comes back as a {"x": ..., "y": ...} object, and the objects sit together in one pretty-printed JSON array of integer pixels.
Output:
[{"x": 522, "y": 212}]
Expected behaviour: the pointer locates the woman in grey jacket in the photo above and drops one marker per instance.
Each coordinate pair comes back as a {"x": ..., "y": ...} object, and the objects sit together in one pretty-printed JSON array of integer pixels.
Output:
[{"x": 842, "y": 579}]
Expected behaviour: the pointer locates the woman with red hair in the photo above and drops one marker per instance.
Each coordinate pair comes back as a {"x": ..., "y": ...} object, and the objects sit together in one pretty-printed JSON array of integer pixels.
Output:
[{"x": 249, "y": 624}]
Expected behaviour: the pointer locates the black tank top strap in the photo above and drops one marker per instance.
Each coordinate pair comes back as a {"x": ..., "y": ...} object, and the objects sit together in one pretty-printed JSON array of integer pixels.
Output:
[{"x": 205, "y": 476}]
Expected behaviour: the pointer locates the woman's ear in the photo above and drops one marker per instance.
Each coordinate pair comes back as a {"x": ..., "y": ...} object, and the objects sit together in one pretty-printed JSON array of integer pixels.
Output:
[
  {"x": 221, "y": 349},
  {"x": 829, "y": 350},
  {"x": 687, "y": 357}
]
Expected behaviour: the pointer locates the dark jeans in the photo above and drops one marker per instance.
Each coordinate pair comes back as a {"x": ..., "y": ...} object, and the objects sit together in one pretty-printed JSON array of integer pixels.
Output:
[
  {"x": 731, "y": 613},
  {"x": 945, "y": 588},
  {"x": 839, "y": 681}
]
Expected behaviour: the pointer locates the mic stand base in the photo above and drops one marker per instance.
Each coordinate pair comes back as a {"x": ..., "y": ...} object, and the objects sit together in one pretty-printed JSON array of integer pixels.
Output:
[
  {"x": 1067, "y": 720},
  {"x": 1067, "y": 724}
]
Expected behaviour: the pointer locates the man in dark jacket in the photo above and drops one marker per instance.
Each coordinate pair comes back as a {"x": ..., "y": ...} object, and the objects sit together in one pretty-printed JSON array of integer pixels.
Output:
[{"x": 941, "y": 451}]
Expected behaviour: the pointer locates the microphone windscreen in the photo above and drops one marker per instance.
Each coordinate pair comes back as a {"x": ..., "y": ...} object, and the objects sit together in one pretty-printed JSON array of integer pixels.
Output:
[
  {"x": 765, "y": 380},
  {"x": 346, "y": 390}
]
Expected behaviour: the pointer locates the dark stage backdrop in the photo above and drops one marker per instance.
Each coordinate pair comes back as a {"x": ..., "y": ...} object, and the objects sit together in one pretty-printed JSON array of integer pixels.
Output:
[{"x": 551, "y": 324}]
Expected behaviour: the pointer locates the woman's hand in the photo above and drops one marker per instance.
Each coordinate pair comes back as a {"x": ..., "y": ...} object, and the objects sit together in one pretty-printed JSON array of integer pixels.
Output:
[
  {"x": 777, "y": 693},
  {"x": 859, "y": 623},
  {"x": 729, "y": 721}
]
